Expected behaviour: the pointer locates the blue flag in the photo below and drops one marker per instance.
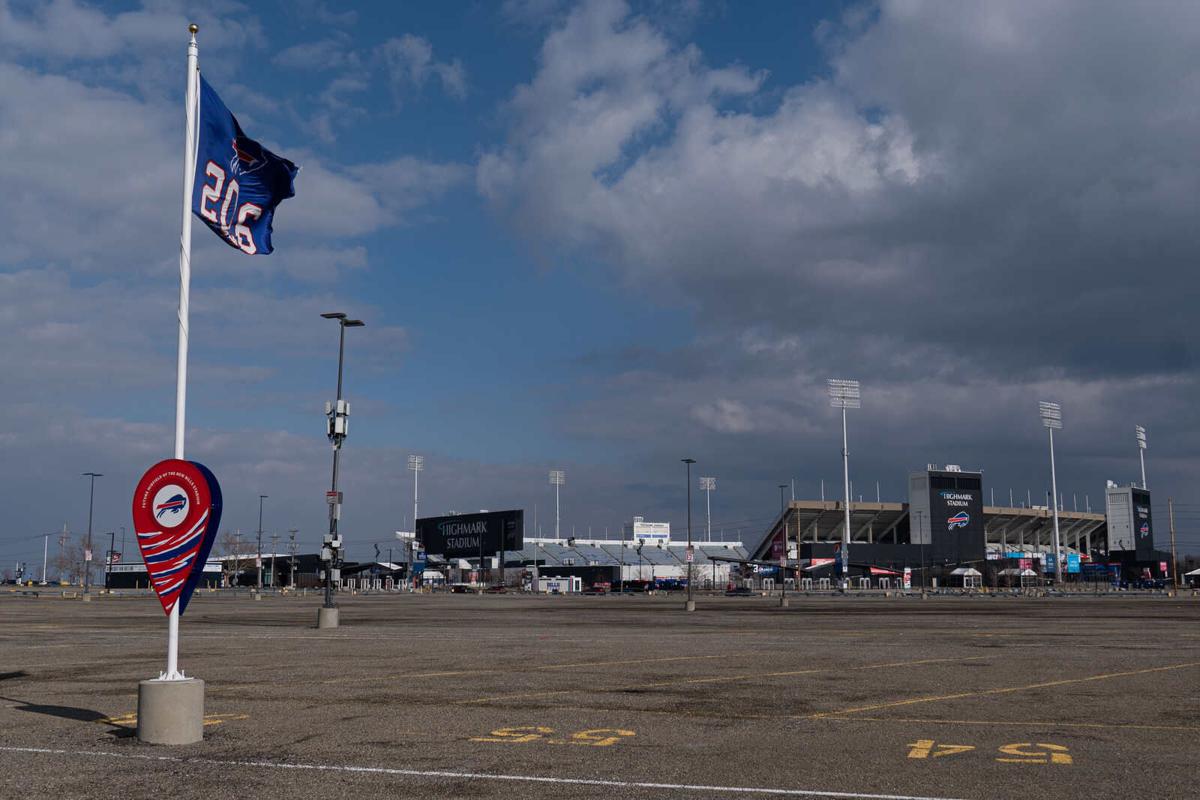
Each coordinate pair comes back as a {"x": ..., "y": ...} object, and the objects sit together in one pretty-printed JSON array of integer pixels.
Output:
[{"x": 238, "y": 182}]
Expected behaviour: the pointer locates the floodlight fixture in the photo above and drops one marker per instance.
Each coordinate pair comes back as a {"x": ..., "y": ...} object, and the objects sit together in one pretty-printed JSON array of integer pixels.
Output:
[
  {"x": 333, "y": 315},
  {"x": 708, "y": 484},
  {"x": 558, "y": 477},
  {"x": 1051, "y": 415},
  {"x": 844, "y": 393},
  {"x": 353, "y": 323},
  {"x": 1140, "y": 433},
  {"x": 416, "y": 463}
]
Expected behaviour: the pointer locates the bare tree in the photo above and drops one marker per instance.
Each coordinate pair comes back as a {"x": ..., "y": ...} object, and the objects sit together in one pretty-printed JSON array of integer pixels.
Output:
[
  {"x": 234, "y": 554},
  {"x": 68, "y": 561}
]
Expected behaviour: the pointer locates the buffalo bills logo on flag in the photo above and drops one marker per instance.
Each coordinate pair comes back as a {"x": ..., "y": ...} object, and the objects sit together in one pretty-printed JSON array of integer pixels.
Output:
[
  {"x": 959, "y": 520},
  {"x": 176, "y": 511},
  {"x": 238, "y": 182}
]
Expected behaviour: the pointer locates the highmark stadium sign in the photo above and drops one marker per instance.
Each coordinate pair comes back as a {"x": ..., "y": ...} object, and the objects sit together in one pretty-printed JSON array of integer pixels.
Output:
[{"x": 467, "y": 535}]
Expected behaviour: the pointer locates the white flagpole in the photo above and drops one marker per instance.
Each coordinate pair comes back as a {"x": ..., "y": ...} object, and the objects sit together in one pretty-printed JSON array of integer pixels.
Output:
[{"x": 185, "y": 277}]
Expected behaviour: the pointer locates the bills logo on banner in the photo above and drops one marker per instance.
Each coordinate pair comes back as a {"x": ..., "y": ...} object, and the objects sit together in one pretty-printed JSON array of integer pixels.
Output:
[
  {"x": 959, "y": 520},
  {"x": 238, "y": 182},
  {"x": 176, "y": 511}
]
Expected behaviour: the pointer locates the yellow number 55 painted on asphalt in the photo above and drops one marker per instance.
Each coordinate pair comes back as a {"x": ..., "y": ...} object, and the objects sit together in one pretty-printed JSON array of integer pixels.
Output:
[{"x": 522, "y": 734}]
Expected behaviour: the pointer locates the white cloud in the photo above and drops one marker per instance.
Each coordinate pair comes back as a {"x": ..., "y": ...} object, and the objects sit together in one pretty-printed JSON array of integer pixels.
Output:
[{"x": 410, "y": 64}]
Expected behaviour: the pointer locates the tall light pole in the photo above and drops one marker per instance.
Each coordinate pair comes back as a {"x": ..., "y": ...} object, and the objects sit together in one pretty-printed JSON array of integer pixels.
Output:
[
  {"x": 558, "y": 478},
  {"x": 416, "y": 464},
  {"x": 782, "y": 502},
  {"x": 112, "y": 539},
  {"x": 845, "y": 394},
  {"x": 1051, "y": 414},
  {"x": 1140, "y": 433},
  {"x": 261, "y": 497},
  {"x": 337, "y": 425},
  {"x": 690, "y": 605},
  {"x": 292, "y": 548},
  {"x": 708, "y": 486},
  {"x": 87, "y": 550}
]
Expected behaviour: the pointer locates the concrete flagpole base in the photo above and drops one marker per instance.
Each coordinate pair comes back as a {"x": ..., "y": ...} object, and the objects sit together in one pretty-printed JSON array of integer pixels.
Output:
[
  {"x": 690, "y": 605},
  {"x": 327, "y": 617},
  {"x": 783, "y": 602},
  {"x": 170, "y": 712}
]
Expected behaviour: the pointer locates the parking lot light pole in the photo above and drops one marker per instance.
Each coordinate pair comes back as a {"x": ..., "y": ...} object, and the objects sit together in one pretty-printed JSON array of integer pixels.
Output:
[
  {"x": 708, "y": 486},
  {"x": 1051, "y": 414},
  {"x": 845, "y": 394},
  {"x": 558, "y": 478},
  {"x": 336, "y": 428},
  {"x": 690, "y": 605},
  {"x": 259, "y": 582},
  {"x": 112, "y": 542},
  {"x": 87, "y": 550}
]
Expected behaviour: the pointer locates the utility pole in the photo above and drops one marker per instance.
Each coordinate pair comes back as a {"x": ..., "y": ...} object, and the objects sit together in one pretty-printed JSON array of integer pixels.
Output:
[
  {"x": 258, "y": 562},
  {"x": 45, "y": 555},
  {"x": 1174, "y": 560}
]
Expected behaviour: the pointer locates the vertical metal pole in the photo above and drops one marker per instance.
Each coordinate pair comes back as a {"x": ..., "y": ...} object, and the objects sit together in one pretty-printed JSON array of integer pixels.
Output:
[
  {"x": 556, "y": 515},
  {"x": 1142, "y": 458},
  {"x": 259, "y": 559},
  {"x": 185, "y": 278},
  {"x": 416, "y": 497},
  {"x": 45, "y": 556},
  {"x": 1058, "y": 575},
  {"x": 1174, "y": 559},
  {"x": 112, "y": 537},
  {"x": 691, "y": 556},
  {"x": 846, "y": 497},
  {"x": 87, "y": 561},
  {"x": 337, "y": 451}
]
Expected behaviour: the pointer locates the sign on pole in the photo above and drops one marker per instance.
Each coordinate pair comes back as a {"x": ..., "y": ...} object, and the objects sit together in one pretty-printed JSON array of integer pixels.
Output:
[{"x": 176, "y": 511}]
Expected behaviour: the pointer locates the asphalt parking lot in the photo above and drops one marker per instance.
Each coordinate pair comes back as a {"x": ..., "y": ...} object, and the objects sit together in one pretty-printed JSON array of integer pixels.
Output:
[{"x": 556, "y": 697}]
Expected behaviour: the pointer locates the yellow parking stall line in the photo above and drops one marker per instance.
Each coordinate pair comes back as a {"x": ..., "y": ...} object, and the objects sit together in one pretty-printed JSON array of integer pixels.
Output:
[
  {"x": 1002, "y": 690},
  {"x": 1017, "y": 723},
  {"x": 541, "y": 668}
]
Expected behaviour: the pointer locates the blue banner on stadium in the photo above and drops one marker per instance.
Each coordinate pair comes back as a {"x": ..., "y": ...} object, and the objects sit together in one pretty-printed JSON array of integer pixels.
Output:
[{"x": 238, "y": 182}]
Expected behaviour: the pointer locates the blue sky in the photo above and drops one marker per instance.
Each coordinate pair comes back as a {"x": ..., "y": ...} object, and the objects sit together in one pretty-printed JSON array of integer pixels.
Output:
[{"x": 603, "y": 236}]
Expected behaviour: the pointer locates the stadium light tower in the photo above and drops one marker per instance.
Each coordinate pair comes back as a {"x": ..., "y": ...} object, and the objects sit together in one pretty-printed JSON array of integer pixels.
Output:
[
  {"x": 416, "y": 464},
  {"x": 845, "y": 394},
  {"x": 558, "y": 478},
  {"x": 1052, "y": 420},
  {"x": 708, "y": 486},
  {"x": 1140, "y": 433}
]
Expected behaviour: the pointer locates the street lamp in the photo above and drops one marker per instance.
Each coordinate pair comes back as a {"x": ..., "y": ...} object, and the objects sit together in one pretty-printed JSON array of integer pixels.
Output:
[
  {"x": 87, "y": 551},
  {"x": 1140, "y": 433},
  {"x": 261, "y": 497},
  {"x": 558, "y": 478},
  {"x": 690, "y": 605},
  {"x": 1051, "y": 414},
  {"x": 337, "y": 425},
  {"x": 845, "y": 394},
  {"x": 708, "y": 486}
]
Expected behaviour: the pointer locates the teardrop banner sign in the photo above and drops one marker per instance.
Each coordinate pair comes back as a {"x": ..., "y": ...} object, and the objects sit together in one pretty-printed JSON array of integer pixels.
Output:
[{"x": 176, "y": 511}]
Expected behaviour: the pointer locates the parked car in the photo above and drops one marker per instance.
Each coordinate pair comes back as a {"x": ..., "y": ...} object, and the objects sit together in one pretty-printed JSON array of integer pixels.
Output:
[{"x": 740, "y": 591}]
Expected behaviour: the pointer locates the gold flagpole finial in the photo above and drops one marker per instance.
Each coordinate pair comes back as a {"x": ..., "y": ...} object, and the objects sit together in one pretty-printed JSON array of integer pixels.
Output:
[{"x": 193, "y": 28}]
